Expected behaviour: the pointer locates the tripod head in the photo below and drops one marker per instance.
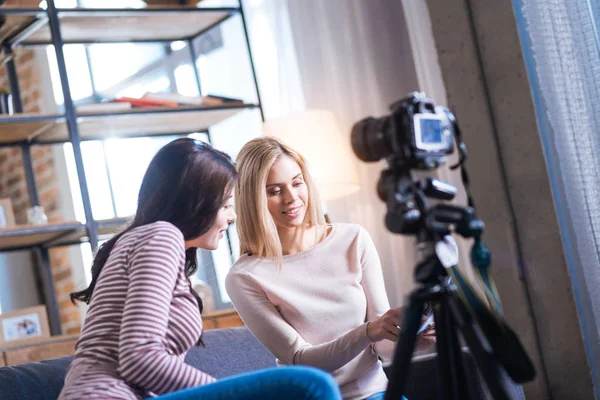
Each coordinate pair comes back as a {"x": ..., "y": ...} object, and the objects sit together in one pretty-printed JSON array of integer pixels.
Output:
[{"x": 409, "y": 213}]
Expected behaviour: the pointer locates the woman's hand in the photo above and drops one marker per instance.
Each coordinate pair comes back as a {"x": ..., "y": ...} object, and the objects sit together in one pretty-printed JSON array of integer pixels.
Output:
[
  {"x": 386, "y": 326},
  {"x": 426, "y": 340}
]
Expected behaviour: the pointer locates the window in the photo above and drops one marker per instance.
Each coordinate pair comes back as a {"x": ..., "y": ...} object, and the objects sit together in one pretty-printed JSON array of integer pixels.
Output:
[{"x": 115, "y": 167}]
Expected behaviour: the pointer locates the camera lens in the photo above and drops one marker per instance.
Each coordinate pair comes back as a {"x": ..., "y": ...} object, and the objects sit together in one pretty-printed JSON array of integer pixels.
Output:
[{"x": 369, "y": 140}]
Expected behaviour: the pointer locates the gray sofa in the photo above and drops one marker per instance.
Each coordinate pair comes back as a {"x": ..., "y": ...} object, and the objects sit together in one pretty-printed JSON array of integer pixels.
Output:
[{"x": 226, "y": 352}]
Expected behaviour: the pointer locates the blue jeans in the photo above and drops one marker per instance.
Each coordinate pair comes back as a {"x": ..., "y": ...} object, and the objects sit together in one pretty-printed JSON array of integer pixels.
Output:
[{"x": 289, "y": 383}]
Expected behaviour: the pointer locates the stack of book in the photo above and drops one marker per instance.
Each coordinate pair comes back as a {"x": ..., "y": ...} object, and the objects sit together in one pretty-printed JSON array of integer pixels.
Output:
[{"x": 157, "y": 100}]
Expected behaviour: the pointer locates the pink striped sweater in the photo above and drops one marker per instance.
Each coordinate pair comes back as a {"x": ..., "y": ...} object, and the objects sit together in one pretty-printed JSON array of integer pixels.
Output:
[{"x": 141, "y": 321}]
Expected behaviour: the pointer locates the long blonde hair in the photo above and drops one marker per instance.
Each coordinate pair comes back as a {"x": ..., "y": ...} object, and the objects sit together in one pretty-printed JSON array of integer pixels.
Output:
[{"x": 255, "y": 225}]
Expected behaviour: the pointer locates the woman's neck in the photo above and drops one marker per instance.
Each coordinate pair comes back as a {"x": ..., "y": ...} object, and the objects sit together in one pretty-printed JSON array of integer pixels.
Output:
[{"x": 297, "y": 240}]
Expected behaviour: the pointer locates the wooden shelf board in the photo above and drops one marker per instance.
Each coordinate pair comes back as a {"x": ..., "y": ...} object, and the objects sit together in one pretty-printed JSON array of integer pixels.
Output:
[
  {"x": 13, "y": 24},
  {"x": 23, "y": 236},
  {"x": 106, "y": 228},
  {"x": 14, "y": 128},
  {"x": 52, "y": 128},
  {"x": 129, "y": 25},
  {"x": 141, "y": 122}
]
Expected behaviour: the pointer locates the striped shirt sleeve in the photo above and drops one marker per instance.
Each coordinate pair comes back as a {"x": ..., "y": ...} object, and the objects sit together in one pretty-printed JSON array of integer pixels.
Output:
[{"x": 143, "y": 358}]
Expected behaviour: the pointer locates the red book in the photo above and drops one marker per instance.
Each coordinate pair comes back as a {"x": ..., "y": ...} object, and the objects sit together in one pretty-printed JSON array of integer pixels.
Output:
[{"x": 144, "y": 102}]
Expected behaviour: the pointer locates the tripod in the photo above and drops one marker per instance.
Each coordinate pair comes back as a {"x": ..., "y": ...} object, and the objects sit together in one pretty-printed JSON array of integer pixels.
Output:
[
  {"x": 493, "y": 345},
  {"x": 451, "y": 317},
  {"x": 418, "y": 136}
]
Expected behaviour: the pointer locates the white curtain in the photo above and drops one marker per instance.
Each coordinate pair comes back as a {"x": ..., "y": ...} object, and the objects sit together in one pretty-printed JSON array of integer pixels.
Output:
[
  {"x": 562, "y": 51},
  {"x": 355, "y": 59},
  {"x": 274, "y": 57}
]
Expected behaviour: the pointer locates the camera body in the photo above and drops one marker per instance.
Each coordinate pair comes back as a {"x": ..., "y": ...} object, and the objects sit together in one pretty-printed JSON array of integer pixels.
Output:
[{"x": 416, "y": 135}]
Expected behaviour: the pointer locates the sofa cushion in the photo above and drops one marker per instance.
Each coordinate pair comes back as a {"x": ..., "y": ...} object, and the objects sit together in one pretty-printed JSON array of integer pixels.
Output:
[
  {"x": 226, "y": 352},
  {"x": 40, "y": 380},
  {"x": 229, "y": 352}
]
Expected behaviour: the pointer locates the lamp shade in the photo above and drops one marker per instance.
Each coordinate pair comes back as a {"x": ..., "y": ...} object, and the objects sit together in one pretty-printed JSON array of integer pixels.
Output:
[{"x": 316, "y": 135}]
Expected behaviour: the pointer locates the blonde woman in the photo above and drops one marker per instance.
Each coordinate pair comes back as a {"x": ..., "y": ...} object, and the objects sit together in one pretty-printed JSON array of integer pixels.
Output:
[{"x": 312, "y": 293}]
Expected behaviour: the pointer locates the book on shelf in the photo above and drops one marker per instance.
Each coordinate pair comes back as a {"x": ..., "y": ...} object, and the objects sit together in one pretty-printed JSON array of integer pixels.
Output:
[
  {"x": 150, "y": 100},
  {"x": 221, "y": 100},
  {"x": 175, "y": 98},
  {"x": 206, "y": 101},
  {"x": 146, "y": 102},
  {"x": 103, "y": 107}
]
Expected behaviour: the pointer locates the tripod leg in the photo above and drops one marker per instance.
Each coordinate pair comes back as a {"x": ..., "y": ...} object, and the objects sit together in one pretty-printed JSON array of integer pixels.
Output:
[
  {"x": 405, "y": 347},
  {"x": 480, "y": 350},
  {"x": 450, "y": 368}
]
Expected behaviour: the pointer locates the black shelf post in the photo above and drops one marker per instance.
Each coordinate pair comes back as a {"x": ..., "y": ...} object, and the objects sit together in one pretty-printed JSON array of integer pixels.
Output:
[
  {"x": 194, "y": 56},
  {"x": 15, "y": 91},
  {"x": 194, "y": 59},
  {"x": 44, "y": 279},
  {"x": 71, "y": 118},
  {"x": 262, "y": 114},
  {"x": 48, "y": 290}
]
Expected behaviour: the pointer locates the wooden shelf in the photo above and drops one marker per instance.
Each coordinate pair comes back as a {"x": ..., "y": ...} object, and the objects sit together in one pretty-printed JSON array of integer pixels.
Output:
[
  {"x": 52, "y": 235},
  {"x": 52, "y": 128},
  {"x": 16, "y": 20},
  {"x": 106, "y": 229},
  {"x": 151, "y": 24},
  {"x": 24, "y": 127},
  {"x": 112, "y": 226},
  {"x": 141, "y": 122},
  {"x": 26, "y": 236}
]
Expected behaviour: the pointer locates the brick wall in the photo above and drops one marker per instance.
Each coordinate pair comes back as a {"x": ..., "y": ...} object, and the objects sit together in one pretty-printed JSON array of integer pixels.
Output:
[{"x": 12, "y": 183}]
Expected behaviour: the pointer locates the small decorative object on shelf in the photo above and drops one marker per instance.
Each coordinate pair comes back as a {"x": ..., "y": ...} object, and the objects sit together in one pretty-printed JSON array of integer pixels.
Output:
[
  {"x": 36, "y": 216},
  {"x": 25, "y": 325},
  {"x": 7, "y": 217}
]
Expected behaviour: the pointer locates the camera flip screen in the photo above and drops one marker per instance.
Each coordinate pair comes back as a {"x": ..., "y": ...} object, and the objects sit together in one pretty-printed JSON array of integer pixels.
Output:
[{"x": 429, "y": 132}]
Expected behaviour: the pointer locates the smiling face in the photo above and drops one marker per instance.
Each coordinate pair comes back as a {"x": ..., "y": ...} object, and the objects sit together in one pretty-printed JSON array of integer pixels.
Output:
[
  {"x": 210, "y": 239},
  {"x": 287, "y": 193}
]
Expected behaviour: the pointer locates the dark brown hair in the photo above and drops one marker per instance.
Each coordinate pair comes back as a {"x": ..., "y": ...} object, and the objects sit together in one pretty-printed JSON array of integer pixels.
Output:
[{"x": 186, "y": 184}]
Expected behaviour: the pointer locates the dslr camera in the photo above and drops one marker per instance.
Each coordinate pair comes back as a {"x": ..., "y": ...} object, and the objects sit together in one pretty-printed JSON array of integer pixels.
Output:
[{"x": 416, "y": 135}]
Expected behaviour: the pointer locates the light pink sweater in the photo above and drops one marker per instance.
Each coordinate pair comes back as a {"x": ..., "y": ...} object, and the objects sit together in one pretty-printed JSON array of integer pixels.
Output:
[{"x": 313, "y": 310}]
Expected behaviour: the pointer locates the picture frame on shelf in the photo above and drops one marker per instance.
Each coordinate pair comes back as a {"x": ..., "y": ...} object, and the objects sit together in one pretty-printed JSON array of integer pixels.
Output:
[
  {"x": 7, "y": 216},
  {"x": 26, "y": 325}
]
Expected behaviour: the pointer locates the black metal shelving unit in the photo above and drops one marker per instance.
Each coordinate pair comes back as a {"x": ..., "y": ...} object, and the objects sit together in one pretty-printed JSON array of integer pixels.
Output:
[{"x": 58, "y": 27}]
